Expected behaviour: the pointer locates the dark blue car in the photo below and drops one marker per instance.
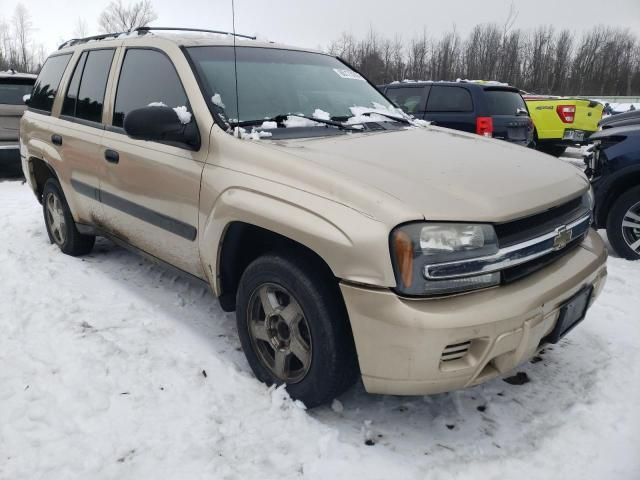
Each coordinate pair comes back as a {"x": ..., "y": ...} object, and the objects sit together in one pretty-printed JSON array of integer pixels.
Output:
[
  {"x": 489, "y": 109},
  {"x": 614, "y": 170}
]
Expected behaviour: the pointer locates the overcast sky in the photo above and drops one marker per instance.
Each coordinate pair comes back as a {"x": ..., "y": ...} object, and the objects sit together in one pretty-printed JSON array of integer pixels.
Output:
[{"x": 315, "y": 23}]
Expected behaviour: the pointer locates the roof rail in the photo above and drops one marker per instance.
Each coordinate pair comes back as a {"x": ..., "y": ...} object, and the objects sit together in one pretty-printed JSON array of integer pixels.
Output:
[
  {"x": 76, "y": 41},
  {"x": 143, "y": 30}
]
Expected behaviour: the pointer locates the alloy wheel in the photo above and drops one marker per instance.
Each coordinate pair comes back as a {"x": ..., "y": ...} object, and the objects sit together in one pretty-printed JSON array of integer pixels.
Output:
[
  {"x": 279, "y": 332},
  {"x": 631, "y": 228},
  {"x": 56, "y": 219}
]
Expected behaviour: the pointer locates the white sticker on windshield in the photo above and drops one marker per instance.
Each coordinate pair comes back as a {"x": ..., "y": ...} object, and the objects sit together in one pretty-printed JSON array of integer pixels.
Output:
[{"x": 351, "y": 75}]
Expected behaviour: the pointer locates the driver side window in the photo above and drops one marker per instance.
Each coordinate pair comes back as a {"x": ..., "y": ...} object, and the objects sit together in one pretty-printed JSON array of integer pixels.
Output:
[{"x": 147, "y": 77}]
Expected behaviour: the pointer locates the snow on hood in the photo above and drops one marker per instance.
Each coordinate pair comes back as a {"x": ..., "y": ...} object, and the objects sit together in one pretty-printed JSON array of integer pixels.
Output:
[{"x": 444, "y": 174}]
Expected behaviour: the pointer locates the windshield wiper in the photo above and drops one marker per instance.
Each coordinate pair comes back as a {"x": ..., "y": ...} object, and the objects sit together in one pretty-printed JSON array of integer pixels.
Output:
[
  {"x": 281, "y": 118},
  {"x": 392, "y": 117}
]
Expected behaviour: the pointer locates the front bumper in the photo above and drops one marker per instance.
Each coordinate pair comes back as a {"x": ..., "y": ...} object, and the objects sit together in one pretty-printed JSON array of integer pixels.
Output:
[{"x": 401, "y": 342}]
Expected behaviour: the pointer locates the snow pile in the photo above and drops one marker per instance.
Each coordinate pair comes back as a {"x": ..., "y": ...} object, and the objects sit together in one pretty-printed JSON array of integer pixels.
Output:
[
  {"x": 253, "y": 135},
  {"x": 293, "y": 122},
  {"x": 114, "y": 367},
  {"x": 321, "y": 114},
  {"x": 267, "y": 125},
  {"x": 183, "y": 114},
  {"x": 217, "y": 100}
]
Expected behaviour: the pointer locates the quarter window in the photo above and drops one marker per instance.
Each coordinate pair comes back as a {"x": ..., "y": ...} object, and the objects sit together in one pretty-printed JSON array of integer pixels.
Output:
[
  {"x": 85, "y": 96},
  {"x": 47, "y": 83},
  {"x": 449, "y": 99},
  {"x": 408, "y": 99},
  {"x": 147, "y": 76}
]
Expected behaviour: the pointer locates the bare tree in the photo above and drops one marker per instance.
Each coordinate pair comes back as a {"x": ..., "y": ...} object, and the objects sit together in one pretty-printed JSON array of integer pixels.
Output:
[
  {"x": 22, "y": 29},
  {"x": 605, "y": 61},
  {"x": 18, "y": 51},
  {"x": 81, "y": 29},
  {"x": 121, "y": 18}
]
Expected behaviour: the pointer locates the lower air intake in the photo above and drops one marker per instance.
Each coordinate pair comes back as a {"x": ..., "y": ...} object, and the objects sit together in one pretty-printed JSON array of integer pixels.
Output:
[{"x": 455, "y": 351}]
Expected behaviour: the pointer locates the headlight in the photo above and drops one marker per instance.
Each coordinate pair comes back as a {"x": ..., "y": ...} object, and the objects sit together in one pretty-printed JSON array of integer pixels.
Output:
[
  {"x": 417, "y": 245},
  {"x": 589, "y": 199}
]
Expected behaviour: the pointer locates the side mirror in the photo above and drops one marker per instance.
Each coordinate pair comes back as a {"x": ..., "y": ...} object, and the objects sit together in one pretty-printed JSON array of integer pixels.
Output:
[
  {"x": 26, "y": 99},
  {"x": 161, "y": 124}
]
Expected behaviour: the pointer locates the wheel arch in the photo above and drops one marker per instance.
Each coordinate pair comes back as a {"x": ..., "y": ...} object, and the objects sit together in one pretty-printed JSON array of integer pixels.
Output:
[
  {"x": 40, "y": 171},
  {"x": 622, "y": 182},
  {"x": 242, "y": 243},
  {"x": 350, "y": 245}
]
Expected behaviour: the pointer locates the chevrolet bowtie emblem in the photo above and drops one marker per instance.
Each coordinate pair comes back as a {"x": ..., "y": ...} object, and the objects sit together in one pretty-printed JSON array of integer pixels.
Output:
[{"x": 562, "y": 238}]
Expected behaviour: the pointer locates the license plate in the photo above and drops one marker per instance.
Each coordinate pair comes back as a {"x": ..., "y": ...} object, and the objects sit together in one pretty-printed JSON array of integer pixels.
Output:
[
  {"x": 577, "y": 135},
  {"x": 517, "y": 133},
  {"x": 571, "y": 314}
]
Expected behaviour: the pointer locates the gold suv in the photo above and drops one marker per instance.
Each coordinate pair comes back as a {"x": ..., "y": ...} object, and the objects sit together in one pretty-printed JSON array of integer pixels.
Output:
[{"x": 351, "y": 240}]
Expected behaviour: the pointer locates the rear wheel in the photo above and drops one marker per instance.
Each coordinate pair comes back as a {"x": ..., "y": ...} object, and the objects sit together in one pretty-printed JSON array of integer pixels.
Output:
[
  {"x": 60, "y": 224},
  {"x": 294, "y": 328},
  {"x": 623, "y": 225}
]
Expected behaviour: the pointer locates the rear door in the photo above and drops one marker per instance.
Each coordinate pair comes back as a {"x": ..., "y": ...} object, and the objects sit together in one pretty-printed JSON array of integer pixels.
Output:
[
  {"x": 78, "y": 133},
  {"x": 452, "y": 107},
  {"x": 12, "y": 90},
  {"x": 411, "y": 99},
  {"x": 150, "y": 191},
  {"x": 510, "y": 116}
]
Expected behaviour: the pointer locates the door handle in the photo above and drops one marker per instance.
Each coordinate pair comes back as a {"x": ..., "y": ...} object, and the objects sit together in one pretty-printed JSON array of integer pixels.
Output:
[
  {"x": 56, "y": 139},
  {"x": 111, "y": 156}
]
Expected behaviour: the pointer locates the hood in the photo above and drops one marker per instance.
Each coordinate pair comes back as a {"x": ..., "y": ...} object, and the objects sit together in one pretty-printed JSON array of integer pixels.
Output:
[{"x": 445, "y": 174}]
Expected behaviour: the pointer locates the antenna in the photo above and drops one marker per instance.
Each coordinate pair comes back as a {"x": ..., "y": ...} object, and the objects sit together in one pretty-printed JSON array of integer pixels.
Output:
[{"x": 235, "y": 63}]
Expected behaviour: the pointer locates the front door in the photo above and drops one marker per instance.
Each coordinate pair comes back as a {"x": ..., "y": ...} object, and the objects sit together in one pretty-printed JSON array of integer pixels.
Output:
[{"x": 150, "y": 191}]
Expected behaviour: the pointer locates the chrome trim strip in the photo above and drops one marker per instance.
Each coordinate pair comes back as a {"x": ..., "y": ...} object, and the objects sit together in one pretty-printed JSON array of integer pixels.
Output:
[
  {"x": 510, "y": 256},
  {"x": 10, "y": 147}
]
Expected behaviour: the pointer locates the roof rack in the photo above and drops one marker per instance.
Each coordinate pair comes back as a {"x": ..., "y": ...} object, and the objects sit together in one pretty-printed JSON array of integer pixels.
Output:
[{"x": 144, "y": 31}]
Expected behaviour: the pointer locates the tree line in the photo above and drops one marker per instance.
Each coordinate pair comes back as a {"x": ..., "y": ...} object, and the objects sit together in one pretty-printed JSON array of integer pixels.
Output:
[
  {"x": 20, "y": 50},
  {"x": 602, "y": 61}
]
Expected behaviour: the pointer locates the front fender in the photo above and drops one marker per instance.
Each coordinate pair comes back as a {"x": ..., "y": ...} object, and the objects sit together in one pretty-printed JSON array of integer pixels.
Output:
[{"x": 354, "y": 246}]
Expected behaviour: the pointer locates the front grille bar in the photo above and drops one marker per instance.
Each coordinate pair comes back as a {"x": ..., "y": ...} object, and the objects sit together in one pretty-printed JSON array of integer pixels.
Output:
[{"x": 513, "y": 255}]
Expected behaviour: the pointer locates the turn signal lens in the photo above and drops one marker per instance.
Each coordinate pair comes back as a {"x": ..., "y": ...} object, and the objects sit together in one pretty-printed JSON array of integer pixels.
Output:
[{"x": 403, "y": 248}]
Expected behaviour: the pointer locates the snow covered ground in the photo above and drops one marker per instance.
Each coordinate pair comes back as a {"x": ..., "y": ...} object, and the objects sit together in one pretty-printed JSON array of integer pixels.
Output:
[{"x": 113, "y": 367}]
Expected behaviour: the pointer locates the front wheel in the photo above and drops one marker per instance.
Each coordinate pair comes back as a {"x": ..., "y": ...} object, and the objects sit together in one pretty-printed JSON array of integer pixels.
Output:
[
  {"x": 60, "y": 224},
  {"x": 294, "y": 328},
  {"x": 623, "y": 225}
]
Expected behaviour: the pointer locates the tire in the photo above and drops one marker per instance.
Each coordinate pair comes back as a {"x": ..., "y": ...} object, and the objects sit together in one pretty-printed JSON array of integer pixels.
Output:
[
  {"x": 61, "y": 227},
  {"x": 622, "y": 237},
  {"x": 555, "y": 150},
  {"x": 321, "y": 331}
]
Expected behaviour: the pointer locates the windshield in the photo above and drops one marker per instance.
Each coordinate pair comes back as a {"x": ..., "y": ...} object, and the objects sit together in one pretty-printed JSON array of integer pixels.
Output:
[
  {"x": 273, "y": 82},
  {"x": 11, "y": 92},
  {"x": 505, "y": 102}
]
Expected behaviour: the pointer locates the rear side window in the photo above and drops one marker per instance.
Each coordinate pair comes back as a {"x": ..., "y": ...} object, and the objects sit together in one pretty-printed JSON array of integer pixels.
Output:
[
  {"x": 408, "y": 99},
  {"x": 503, "y": 102},
  {"x": 69, "y": 104},
  {"x": 13, "y": 89},
  {"x": 85, "y": 96},
  {"x": 449, "y": 99},
  {"x": 47, "y": 83},
  {"x": 147, "y": 76}
]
